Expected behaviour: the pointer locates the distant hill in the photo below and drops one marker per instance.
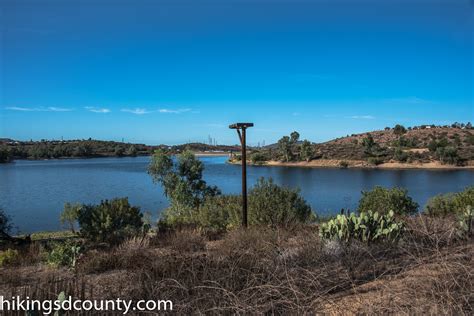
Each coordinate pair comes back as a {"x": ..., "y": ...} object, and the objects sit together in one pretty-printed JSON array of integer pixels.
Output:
[
  {"x": 418, "y": 145},
  {"x": 415, "y": 142},
  {"x": 10, "y": 149}
]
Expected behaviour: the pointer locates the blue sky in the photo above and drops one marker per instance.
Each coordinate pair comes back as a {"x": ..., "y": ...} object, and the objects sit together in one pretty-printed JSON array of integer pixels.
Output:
[{"x": 178, "y": 71}]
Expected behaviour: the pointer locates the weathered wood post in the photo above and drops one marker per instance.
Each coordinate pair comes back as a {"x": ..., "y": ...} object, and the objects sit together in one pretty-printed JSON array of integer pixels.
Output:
[{"x": 241, "y": 131}]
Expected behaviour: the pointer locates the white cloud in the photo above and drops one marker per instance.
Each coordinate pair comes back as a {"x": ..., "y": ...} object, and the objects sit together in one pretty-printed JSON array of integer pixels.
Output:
[
  {"x": 38, "y": 109},
  {"x": 56, "y": 109},
  {"x": 169, "y": 111},
  {"x": 97, "y": 110},
  {"x": 362, "y": 117},
  {"x": 137, "y": 111}
]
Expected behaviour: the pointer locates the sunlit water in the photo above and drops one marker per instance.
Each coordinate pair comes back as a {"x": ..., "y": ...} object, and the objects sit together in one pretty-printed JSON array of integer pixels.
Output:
[{"x": 34, "y": 192}]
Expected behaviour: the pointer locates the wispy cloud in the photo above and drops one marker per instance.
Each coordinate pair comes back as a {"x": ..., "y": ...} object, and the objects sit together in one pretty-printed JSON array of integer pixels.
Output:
[
  {"x": 169, "y": 111},
  {"x": 362, "y": 117},
  {"x": 137, "y": 111},
  {"x": 97, "y": 110},
  {"x": 296, "y": 113},
  {"x": 38, "y": 109}
]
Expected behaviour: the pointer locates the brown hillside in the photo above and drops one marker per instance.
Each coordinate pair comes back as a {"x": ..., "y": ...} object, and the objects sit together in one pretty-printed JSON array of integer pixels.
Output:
[{"x": 416, "y": 144}]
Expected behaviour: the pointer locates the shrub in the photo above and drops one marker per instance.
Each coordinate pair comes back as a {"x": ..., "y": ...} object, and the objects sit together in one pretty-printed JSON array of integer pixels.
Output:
[
  {"x": 64, "y": 254},
  {"x": 375, "y": 161},
  {"x": 385, "y": 200},
  {"x": 451, "y": 203},
  {"x": 400, "y": 155},
  {"x": 464, "y": 199},
  {"x": 220, "y": 213},
  {"x": 448, "y": 155},
  {"x": 8, "y": 257},
  {"x": 343, "y": 164},
  {"x": 466, "y": 222},
  {"x": 367, "y": 227},
  {"x": 258, "y": 157},
  {"x": 270, "y": 204},
  {"x": 110, "y": 221},
  {"x": 69, "y": 215},
  {"x": 440, "y": 205}
]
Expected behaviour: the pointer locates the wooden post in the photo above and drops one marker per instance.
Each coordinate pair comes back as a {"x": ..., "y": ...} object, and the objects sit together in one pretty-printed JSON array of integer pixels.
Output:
[
  {"x": 242, "y": 132},
  {"x": 244, "y": 178}
]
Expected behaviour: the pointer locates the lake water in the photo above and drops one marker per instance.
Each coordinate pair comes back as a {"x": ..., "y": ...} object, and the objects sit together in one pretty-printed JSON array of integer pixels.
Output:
[{"x": 33, "y": 192}]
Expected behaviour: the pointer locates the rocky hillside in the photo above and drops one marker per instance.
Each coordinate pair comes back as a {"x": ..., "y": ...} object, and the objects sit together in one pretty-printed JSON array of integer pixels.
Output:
[{"x": 419, "y": 144}]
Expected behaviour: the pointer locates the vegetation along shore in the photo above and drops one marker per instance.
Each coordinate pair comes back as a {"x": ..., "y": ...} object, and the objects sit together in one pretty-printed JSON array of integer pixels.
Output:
[
  {"x": 386, "y": 257},
  {"x": 419, "y": 147}
]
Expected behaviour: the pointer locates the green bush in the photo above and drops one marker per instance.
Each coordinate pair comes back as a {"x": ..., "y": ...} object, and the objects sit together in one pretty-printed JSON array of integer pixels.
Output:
[
  {"x": 466, "y": 222},
  {"x": 258, "y": 158},
  {"x": 270, "y": 204},
  {"x": 8, "y": 257},
  {"x": 220, "y": 213},
  {"x": 64, "y": 254},
  {"x": 367, "y": 227},
  {"x": 110, "y": 221},
  {"x": 399, "y": 129},
  {"x": 343, "y": 164},
  {"x": 69, "y": 215},
  {"x": 375, "y": 161},
  {"x": 400, "y": 155},
  {"x": 385, "y": 200},
  {"x": 440, "y": 205},
  {"x": 451, "y": 203},
  {"x": 448, "y": 155}
]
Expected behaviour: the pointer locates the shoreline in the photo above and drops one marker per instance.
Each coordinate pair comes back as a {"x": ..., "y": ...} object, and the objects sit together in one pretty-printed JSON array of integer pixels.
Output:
[
  {"x": 197, "y": 154},
  {"x": 359, "y": 164}
]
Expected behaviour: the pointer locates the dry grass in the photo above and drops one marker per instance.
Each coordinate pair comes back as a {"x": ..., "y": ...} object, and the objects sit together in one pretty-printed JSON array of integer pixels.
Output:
[{"x": 261, "y": 270}]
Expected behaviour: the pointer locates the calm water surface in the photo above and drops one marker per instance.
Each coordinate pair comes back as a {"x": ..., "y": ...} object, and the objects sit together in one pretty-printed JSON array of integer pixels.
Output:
[{"x": 34, "y": 192}]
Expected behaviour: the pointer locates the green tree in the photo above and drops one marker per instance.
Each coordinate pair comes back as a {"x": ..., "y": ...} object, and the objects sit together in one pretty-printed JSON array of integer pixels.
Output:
[
  {"x": 182, "y": 182},
  {"x": 307, "y": 150},
  {"x": 110, "y": 221},
  {"x": 284, "y": 148},
  {"x": 399, "y": 130},
  {"x": 5, "y": 154},
  {"x": 448, "y": 155},
  {"x": 383, "y": 200},
  {"x": 69, "y": 215},
  {"x": 400, "y": 155},
  {"x": 294, "y": 137},
  {"x": 369, "y": 144}
]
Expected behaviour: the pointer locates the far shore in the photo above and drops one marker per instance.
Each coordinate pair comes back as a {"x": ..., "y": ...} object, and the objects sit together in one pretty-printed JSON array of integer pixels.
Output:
[
  {"x": 360, "y": 164},
  {"x": 197, "y": 154}
]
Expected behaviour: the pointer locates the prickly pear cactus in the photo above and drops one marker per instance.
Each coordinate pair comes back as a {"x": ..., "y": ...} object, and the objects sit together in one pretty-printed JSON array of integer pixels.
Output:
[{"x": 366, "y": 227}]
